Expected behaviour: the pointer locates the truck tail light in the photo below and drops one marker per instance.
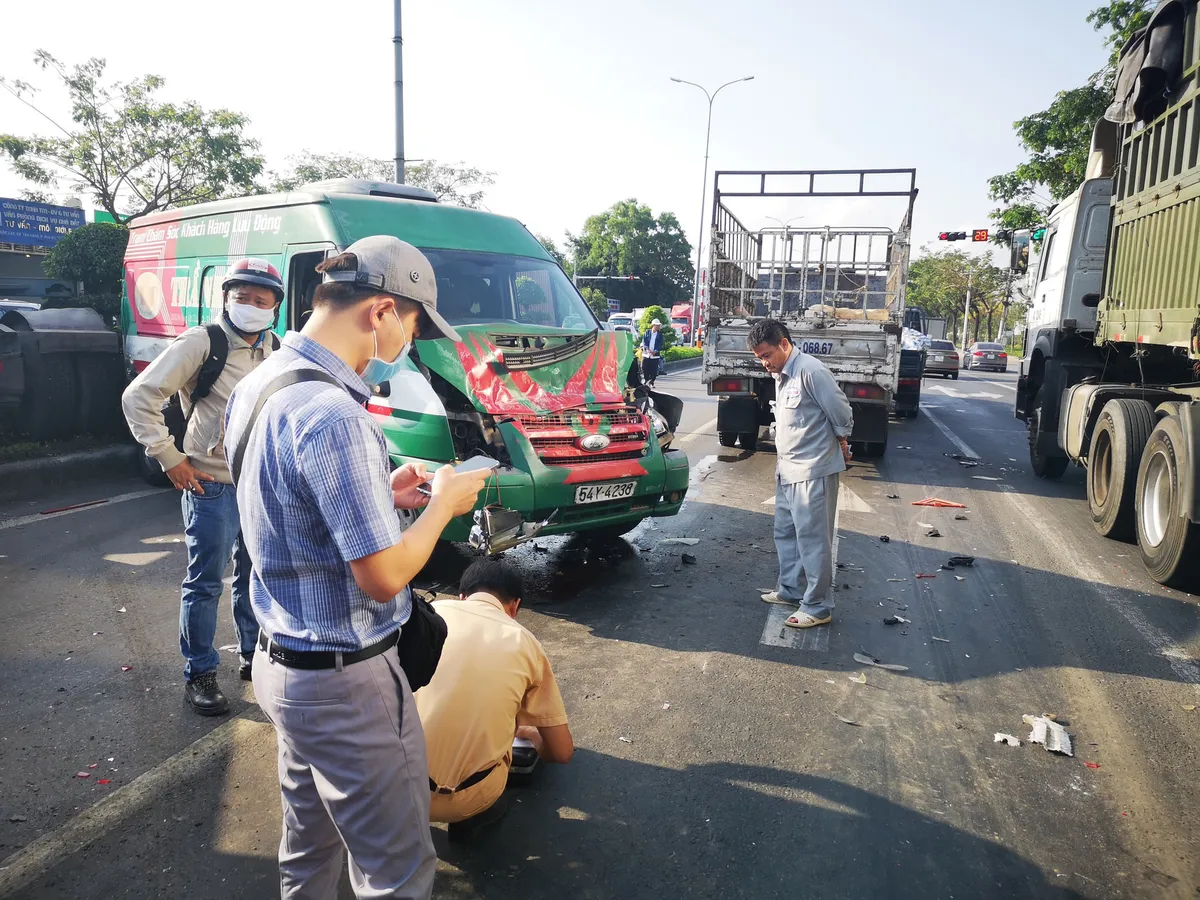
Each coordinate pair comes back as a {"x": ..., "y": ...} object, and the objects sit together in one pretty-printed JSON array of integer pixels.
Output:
[
  {"x": 729, "y": 386},
  {"x": 864, "y": 392},
  {"x": 909, "y": 382},
  {"x": 1003, "y": 355}
]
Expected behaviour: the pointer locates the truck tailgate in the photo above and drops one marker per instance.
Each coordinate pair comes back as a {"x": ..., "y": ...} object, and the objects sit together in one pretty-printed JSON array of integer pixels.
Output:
[{"x": 850, "y": 353}]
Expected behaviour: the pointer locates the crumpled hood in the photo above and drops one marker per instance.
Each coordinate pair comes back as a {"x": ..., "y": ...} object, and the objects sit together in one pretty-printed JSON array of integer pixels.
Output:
[{"x": 508, "y": 369}]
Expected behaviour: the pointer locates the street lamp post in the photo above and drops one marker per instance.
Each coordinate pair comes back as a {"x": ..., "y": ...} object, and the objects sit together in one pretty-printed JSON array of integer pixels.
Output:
[
  {"x": 398, "y": 53},
  {"x": 703, "y": 193}
]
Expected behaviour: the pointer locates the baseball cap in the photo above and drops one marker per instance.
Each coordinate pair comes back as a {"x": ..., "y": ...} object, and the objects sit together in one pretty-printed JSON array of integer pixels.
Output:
[{"x": 392, "y": 266}]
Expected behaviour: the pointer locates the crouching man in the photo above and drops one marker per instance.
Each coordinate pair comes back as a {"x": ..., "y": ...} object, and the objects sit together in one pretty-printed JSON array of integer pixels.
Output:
[{"x": 493, "y": 684}]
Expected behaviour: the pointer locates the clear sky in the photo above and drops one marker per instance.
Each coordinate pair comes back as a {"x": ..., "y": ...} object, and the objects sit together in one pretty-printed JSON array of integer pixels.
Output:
[{"x": 570, "y": 103}]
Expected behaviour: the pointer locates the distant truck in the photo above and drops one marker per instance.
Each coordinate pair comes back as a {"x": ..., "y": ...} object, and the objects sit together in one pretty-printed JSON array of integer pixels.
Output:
[
  {"x": 1109, "y": 378},
  {"x": 936, "y": 328},
  {"x": 681, "y": 321},
  {"x": 840, "y": 291}
]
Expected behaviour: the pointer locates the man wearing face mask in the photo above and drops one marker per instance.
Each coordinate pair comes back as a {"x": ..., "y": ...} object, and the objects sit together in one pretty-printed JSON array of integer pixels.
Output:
[
  {"x": 202, "y": 366},
  {"x": 331, "y": 574}
]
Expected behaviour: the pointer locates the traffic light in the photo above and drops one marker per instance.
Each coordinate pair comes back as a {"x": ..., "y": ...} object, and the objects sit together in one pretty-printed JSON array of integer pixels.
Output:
[
  {"x": 1004, "y": 235},
  {"x": 1039, "y": 233},
  {"x": 979, "y": 235},
  {"x": 952, "y": 236}
]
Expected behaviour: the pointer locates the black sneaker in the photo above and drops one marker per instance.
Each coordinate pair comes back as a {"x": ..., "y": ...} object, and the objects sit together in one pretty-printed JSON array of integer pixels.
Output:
[
  {"x": 246, "y": 669},
  {"x": 468, "y": 829},
  {"x": 204, "y": 695}
]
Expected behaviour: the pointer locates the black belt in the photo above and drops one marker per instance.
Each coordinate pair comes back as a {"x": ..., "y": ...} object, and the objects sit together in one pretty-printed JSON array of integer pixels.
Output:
[
  {"x": 469, "y": 782},
  {"x": 323, "y": 659}
]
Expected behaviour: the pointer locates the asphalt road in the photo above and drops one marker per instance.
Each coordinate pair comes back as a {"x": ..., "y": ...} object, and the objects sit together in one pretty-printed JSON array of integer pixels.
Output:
[{"x": 719, "y": 754}]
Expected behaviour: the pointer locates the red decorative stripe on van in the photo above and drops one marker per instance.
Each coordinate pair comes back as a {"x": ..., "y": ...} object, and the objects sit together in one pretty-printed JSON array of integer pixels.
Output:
[{"x": 604, "y": 471}]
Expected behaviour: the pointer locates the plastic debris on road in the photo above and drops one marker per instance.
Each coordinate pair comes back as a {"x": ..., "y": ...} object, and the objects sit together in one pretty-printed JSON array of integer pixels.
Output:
[
  {"x": 83, "y": 774},
  {"x": 896, "y": 620},
  {"x": 849, "y": 721},
  {"x": 860, "y": 678},
  {"x": 687, "y": 542},
  {"x": 666, "y": 706},
  {"x": 659, "y": 585},
  {"x": 933, "y": 532},
  {"x": 941, "y": 640},
  {"x": 121, "y": 610},
  {"x": 959, "y": 578},
  {"x": 960, "y": 518},
  {"x": 923, "y": 575},
  {"x": 966, "y": 562},
  {"x": 1190, "y": 707},
  {"x": 939, "y": 503},
  {"x": 867, "y": 660},
  {"x": 898, "y": 580},
  {"x": 126, "y": 668},
  {"x": 885, "y": 539},
  {"x": 625, "y": 740},
  {"x": 893, "y": 496},
  {"x": 103, "y": 781},
  {"x": 688, "y": 559},
  {"x": 1002, "y": 738},
  {"x": 1049, "y": 734},
  {"x": 1092, "y": 765}
]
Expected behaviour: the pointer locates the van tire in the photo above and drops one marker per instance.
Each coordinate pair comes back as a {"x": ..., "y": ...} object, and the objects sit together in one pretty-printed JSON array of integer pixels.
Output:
[
  {"x": 727, "y": 438},
  {"x": 1169, "y": 542},
  {"x": 1114, "y": 456}
]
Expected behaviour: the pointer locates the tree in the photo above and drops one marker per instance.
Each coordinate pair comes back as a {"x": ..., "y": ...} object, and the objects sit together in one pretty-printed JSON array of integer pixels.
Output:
[
  {"x": 1058, "y": 138},
  {"x": 132, "y": 153},
  {"x": 552, "y": 249},
  {"x": 670, "y": 338},
  {"x": 454, "y": 183},
  {"x": 937, "y": 283},
  {"x": 627, "y": 239},
  {"x": 93, "y": 254},
  {"x": 597, "y": 301}
]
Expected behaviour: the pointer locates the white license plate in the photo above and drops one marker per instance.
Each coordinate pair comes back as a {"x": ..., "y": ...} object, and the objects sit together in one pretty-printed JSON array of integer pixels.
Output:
[
  {"x": 991, "y": 356},
  {"x": 939, "y": 359},
  {"x": 599, "y": 493}
]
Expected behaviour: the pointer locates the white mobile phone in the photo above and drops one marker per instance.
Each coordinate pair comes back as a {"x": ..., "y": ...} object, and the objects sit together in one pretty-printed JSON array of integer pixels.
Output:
[{"x": 477, "y": 462}]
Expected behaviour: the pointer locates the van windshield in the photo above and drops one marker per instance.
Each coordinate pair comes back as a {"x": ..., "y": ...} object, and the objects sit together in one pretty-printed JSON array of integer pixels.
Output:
[{"x": 474, "y": 288}]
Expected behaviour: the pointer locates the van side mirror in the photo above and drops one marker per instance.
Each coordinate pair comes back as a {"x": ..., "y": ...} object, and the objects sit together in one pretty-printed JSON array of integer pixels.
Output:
[{"x": 1091, "y": 300}]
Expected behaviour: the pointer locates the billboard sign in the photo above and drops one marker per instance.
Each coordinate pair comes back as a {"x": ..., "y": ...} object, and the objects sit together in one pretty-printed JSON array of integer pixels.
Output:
[{"x": 37, "y": 224}]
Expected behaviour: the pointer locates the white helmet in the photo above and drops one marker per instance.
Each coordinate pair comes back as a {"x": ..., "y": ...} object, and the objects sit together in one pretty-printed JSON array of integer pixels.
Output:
[{"x": 654, "y": 322}]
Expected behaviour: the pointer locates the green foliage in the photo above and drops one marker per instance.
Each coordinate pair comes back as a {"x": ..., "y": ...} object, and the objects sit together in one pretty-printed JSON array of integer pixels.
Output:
[
  {"x": 597, "y": 301},
  {"x": 937, "y": 283},
  {"x": 93, "y": 254},
  {"x": 453, "y": 183},
  {"x": 670, "y": 337},
  {"x": 674, "y": 354},
  {"x": 132, "y": 153},
  {"x": 627, "y": 239},
  {"x": 552, "y": 249},
  {"x": 1058, "y": 138}
]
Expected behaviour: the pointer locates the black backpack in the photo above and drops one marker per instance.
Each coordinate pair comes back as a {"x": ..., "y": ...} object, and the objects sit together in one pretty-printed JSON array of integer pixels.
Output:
[{"x": 210, "y": 371}]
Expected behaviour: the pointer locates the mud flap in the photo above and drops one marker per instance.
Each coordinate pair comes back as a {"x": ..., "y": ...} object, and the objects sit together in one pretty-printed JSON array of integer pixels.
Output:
[{"x": 1190, "y": 420}]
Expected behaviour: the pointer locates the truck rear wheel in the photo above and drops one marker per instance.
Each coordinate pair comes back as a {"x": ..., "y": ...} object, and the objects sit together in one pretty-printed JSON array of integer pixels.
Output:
[
  {"x": 1169, "y": 542},
  {"x": 1044, "y": 465},
  {"x": 1120, "y": 436},
  {"x": 749, "y": 441},
  {"x": 727, "y": 438}
]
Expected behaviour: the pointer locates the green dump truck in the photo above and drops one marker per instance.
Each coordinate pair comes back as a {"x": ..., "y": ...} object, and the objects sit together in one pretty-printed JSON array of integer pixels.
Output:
[
  {"x": 536, "y": 383},
  {"x": 1111, "y": 374}
]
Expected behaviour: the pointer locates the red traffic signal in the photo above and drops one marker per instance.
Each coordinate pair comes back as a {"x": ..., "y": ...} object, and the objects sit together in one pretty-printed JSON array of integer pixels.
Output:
[
  {"x": 980, "y": 234},
  {"x": 952, "y": 236}
]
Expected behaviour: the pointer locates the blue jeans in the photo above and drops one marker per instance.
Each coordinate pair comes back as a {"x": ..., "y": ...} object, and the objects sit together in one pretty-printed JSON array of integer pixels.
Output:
[{"x": 213, "y": 535}]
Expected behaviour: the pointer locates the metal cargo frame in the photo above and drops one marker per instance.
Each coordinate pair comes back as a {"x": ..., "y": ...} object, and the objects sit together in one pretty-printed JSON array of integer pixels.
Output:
[
  {"x": 843, "y": 273},
  {"x": 1152, "y": 279}
]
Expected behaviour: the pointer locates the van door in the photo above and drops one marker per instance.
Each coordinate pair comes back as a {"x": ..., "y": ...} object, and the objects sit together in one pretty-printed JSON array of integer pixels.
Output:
[{"x": 302, "y": 279}]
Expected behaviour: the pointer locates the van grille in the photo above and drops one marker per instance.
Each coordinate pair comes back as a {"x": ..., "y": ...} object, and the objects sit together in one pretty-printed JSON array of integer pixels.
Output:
[{"x": 555, "y": 438}]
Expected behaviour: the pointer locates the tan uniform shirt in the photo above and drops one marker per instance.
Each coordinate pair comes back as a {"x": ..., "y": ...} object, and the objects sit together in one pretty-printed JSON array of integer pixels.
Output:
[
  {"x": 174, "y": 371},
  {"x": 493, "y": 676}
]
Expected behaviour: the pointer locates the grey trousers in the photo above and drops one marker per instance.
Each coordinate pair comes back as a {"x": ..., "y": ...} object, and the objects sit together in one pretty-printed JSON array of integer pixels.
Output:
[
  {"x": 353, "y": 776},
  {"x": 804, "y": 527}
]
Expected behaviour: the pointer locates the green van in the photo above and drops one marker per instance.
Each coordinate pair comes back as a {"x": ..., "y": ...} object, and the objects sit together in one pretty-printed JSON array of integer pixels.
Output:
[{"x": 537, "y": 382}]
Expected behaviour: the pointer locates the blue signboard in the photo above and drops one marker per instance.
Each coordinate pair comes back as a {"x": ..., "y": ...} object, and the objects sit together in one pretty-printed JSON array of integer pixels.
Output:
[{"x": 36, "y": 224}]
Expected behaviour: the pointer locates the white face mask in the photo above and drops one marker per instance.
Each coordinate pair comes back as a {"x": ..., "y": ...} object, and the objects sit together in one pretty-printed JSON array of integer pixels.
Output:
[{"x": 249, "y": 318}]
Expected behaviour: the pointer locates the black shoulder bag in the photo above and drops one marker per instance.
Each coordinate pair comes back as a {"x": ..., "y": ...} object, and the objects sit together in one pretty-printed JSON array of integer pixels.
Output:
[{"x": 424, "y": 634}]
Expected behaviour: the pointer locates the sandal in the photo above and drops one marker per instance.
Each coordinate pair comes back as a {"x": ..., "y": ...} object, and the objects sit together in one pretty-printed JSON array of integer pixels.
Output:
[{"x": 804, "y": 620}]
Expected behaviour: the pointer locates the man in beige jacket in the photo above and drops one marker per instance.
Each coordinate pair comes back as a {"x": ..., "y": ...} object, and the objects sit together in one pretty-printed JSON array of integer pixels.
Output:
[{"x": 253, "y": 292}]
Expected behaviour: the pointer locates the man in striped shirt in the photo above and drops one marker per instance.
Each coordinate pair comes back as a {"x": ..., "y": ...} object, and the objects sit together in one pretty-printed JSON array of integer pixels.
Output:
[{"x": 331, "y": 576}]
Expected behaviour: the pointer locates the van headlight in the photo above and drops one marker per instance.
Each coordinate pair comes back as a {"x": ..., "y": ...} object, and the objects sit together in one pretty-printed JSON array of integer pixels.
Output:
[{"x": 661, "y": 430}]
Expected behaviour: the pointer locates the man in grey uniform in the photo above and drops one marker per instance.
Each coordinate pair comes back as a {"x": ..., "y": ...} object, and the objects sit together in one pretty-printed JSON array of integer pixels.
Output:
[{"x": 813, "y": 421}]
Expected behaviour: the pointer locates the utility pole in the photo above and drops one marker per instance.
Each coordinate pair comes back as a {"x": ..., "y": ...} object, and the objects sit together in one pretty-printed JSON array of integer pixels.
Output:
[
  {"x": 966, "y": 312},
  {"x": 398, "y": 51}
]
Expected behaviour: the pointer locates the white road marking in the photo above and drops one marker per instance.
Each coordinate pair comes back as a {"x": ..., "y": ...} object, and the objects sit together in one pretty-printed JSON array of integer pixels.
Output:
[
  {"x": 852, "y": 502},
  {"x": 108, "y": 501},
  {"x": 1185, "y": 668},
  {"x": 702, "y": 431},
  {"x": 776, "y": 634},
  {"x": 41, "y": 855},
  {"x": 958, "y": 442}
]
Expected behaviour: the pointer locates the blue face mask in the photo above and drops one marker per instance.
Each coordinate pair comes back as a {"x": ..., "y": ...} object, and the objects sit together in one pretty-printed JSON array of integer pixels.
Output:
[{"x": 377, "y": 371}]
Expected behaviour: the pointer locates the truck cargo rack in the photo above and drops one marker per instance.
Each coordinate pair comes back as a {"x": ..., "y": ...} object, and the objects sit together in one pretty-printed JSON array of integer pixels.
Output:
[{"x": 839, "y": 274}]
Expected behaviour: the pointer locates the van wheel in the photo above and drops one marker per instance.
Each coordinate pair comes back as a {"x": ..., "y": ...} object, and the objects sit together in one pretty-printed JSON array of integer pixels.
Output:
[
  {"x": 749, "y": 441},
  {"x": 727, "y": 438},
  {"x": 1169, "y": 542},
  {"x": 1120, "y": 436},
  {"x": 1043, "y": 465}
]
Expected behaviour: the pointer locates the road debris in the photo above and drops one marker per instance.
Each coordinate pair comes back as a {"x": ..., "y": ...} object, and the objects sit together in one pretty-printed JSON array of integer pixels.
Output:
[
  {"x": 849, "y": 721},
  {"x": 1189, "y": 707},
  {"x": 962, "y": 457},
  {"x": 933, "y": 532},
  {"x": 126, "y": 668},
  {"x": 959, "y": 578},
  {"x": 103, "y": 781},
  {"x": 1049, "y": 734},
  {"x": 967, "y": 562},
  {"x": 1002, "y": 738},
  {"x": 83, "y": 774},
  {"x": 687, "y": 542},
  {"x": 666, "y": 706},
  {"x": 939, "y": 503},
  {"x": 121, "y": 610},
  {"x": 899, "y": 580},
  {"x": 960, "y": 518},
  {"x": 1092, "y": 765},
  {"x": 625, "y": 740},
  {"x": 885, "y": 539},
  {"x": 893, "y": 496},
  {"x": 923, "y": 575},
  {"x": 940, "y": 639},
  {"x": 659, "y": 585},
  {"x": 896, "y": 620},
  {"x": 860, "y": 678},
  {"x": 688, "y": 559},
  {"x": 868, "y": 660}
]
